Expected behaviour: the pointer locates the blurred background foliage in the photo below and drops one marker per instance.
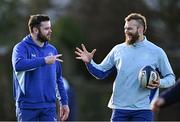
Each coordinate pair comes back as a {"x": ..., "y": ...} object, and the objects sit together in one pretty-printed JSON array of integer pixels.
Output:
[{"x": 98, "y": 24}]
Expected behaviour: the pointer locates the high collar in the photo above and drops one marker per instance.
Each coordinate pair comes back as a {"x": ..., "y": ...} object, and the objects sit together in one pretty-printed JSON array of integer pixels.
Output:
[
  {"x": 140, "y": 42},
  {"x": 28, "y": 39}
]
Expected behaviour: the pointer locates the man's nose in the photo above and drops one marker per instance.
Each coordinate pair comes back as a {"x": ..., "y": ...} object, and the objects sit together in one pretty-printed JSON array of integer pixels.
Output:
[{"x": 125, "y": 31}]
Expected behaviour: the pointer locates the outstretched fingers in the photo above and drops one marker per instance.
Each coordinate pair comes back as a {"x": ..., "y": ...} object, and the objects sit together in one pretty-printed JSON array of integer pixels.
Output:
[
  {"x": 57, "y": 57},
  {"x": 78, "y": 50},
  {"x": 60, "y": 60},
  {"x": 84, "y": 48},
  {"x": 83, "y": 54},
  {"x": 77, "y": 53},
  {"x": 93, "y": 51}
]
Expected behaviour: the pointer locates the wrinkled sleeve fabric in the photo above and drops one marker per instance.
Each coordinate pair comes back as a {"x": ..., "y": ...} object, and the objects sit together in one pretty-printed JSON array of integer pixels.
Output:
[
  {"x": 21, "y": 62},
  {"x": 102, "y": 70},
  {"x": 60, "y": 85},
  {"x": 168, "y": 77}
]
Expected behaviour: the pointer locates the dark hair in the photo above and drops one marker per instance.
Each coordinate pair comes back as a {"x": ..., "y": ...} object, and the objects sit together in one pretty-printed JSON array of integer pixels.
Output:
[
  {"x": 35, "y": 20},
  {"x": 139, "y": 18}
]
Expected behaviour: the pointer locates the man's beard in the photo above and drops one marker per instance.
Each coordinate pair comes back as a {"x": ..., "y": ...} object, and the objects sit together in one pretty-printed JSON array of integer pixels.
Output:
[
  {"x": 134, "y": 38},
  {"x": 42, "y": 38}
]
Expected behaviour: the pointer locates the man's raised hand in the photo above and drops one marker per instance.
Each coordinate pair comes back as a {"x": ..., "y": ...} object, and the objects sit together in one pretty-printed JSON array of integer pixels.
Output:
[{"x": 83, "y": 54}]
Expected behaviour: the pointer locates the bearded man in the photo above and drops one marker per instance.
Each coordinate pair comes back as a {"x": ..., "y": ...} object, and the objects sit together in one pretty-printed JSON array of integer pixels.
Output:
[
  {"x": 130, "y": 101},
  {"x": 36, "y": 73}
]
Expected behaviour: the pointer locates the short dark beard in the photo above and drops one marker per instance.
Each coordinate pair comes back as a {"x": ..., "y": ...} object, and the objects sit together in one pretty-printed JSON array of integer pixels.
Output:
[
  {"x": 135, "y": 37},
  {"x": 41, "y": 37}
]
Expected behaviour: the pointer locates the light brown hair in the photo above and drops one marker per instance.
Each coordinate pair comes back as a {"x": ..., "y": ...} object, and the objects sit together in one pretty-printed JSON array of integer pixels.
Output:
[{"x": 139, "y": 18}]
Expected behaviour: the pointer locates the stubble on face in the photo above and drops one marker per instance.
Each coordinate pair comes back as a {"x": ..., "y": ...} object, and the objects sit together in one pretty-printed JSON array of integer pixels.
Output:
[
  {"x": 43, "y": 38},
  {"x": 131, "y": 38}
]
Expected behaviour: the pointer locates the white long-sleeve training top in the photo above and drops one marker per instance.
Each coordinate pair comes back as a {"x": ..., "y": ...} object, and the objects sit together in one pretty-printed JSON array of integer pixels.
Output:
[{"x": 128, "y": 60}]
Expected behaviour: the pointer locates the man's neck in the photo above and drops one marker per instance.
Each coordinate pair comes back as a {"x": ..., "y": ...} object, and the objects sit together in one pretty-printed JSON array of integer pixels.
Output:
[
  {"x": 141, "y": 38},
  {"x": 39, "y": 43}
]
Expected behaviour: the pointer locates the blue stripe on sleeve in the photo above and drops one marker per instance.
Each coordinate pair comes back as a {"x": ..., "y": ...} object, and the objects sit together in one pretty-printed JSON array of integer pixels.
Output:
[{"x": 98, "y": 73}]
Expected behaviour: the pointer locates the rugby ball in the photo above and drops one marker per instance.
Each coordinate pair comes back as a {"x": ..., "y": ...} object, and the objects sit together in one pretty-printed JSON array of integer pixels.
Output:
[{"x": 146, "y": 75}]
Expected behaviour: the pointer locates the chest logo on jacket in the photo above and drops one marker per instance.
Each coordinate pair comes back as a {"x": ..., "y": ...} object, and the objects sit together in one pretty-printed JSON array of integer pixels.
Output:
[
  {"x": 33, "y": 55},
  {"x": 50, "y": 54}
]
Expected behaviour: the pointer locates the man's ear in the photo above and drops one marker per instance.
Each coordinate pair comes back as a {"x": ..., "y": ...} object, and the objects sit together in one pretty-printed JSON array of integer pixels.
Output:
[
  {"x": 141, "y": 30},
  {"x": 35, "y": 30}
]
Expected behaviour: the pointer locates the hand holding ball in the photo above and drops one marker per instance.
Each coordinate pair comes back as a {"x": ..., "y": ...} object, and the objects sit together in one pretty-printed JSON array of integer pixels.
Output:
[{"x": 148, "y": 77}]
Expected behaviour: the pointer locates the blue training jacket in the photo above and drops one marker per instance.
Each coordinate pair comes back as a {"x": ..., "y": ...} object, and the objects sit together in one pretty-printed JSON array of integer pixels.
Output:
[{"x": 35, "y": 81}]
